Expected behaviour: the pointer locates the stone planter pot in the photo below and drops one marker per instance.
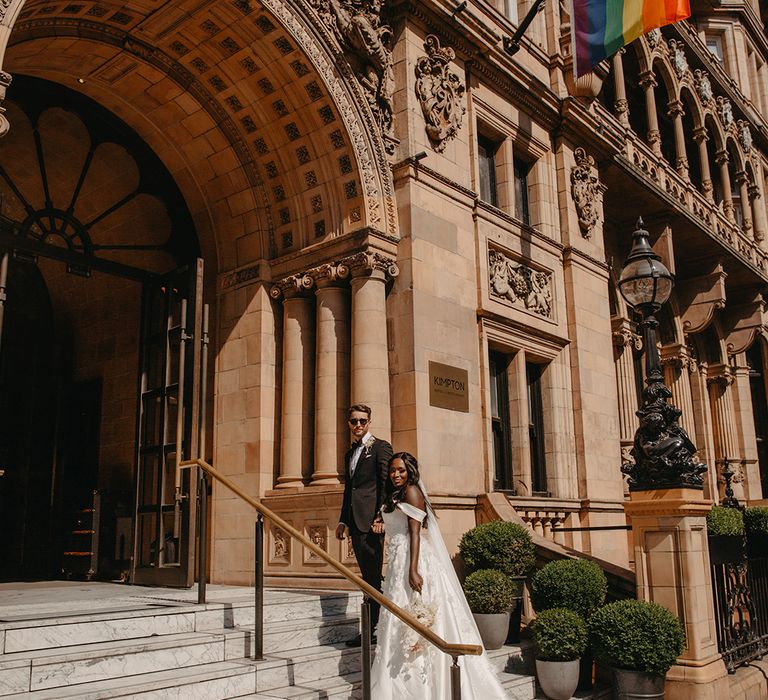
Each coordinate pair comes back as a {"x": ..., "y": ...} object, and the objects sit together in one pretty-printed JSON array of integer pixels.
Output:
[
  {"x": 636, "y": 685},
  {"x": 558, "y": 679},
  {"x": 493, "y": 628},
  {"x": 726, "y": 549}
]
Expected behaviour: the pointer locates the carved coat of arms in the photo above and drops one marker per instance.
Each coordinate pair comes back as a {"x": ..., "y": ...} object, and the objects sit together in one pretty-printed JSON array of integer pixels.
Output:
[
  {"x": 440, "y": 93},
  {"x": 585, "y": 189}
]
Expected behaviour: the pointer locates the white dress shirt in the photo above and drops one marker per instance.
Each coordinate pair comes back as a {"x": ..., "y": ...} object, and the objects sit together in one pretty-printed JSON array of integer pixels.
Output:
[{"x": 355, "y": 458}]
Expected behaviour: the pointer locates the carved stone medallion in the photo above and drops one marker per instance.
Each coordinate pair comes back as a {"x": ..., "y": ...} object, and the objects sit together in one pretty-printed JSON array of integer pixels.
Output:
[
  {"x": 679, "y": 61},
  {"x": 440, "y": 93},
  {"x": 585, "y": 188},
  {"x": 519, "y": 284},
  {"x": 703, "y": 85},
  {"x": 725, "y": 111}
]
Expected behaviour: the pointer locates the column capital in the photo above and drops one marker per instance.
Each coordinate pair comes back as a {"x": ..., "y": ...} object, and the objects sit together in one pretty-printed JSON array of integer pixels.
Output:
[
  {"x": 647, "y": 80},
  {"x": 329, "y": 274},
  {"x": 700, "y": 134},
  {"x": 292, "y": 286},
  {"x": 623, "y": 335},
  {"x": 370, "y": 262},
  {"x": 720, "y": 375},
  {"x": 675, "y": 109},
  {"x": 678, "y": 356},
  {"x": 721, "y": 157}
]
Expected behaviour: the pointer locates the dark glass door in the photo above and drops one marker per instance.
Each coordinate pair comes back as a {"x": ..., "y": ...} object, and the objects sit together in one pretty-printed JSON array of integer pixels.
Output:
[{"x": 168, "y": 428}]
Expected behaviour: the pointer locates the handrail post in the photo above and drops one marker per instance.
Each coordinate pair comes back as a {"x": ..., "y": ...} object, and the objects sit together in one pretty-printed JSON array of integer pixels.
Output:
[
  {"x": 455, "y": 679},
  {"x": 202, "y": 544},
  {"x": 258, "y": 583},
  {"x": 365, "y": 637}
]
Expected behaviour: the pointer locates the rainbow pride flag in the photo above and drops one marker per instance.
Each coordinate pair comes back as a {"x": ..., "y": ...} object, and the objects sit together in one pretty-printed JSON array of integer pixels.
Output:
[{"x": 600, "y": 28}]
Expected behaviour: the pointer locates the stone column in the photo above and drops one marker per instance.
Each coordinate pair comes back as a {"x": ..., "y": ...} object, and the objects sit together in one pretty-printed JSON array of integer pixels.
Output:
[
  {"x": 720, "y": 381},
  {"x": 702, "y": 413},
  {"x": 672, "y": 568},
  {"x": 746, "y": 207},
  {"x": 700, "y": 137},
  {"x": 331, "y": 376},
  {"x": 298, "y": 383},
  {"x": 648, "y": 83},
  {"x": 370, "y": 361},
  {"x": 725, "y": 181},
  {"x": 5, "y": 81},
  {"x": 620, "y": 106},
  {"x": 624, "y": 342},
  {"x": 678, "y": 365},
  {"x": 758, "y": 215},
  {"x": 676, "y": 114}
]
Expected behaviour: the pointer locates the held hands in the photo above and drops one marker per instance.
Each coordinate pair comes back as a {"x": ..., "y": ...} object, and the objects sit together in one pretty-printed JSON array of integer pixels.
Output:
[
  {"x": 340, "y": 531},
  {"x": 378, "y": 527},
  {"x": 415, "y": 580}
]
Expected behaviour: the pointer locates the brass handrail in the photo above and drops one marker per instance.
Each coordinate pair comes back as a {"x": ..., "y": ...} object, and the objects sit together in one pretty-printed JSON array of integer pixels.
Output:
[{"x": 446, "y": 647}]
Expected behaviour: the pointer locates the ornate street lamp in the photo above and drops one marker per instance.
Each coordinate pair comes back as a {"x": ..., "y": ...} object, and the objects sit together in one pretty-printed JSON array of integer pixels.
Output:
[{"x": 662, "y": 451}]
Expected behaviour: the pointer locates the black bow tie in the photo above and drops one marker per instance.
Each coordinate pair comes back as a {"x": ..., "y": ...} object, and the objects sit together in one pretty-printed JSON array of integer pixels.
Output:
[{"x": 356, "y": 444}]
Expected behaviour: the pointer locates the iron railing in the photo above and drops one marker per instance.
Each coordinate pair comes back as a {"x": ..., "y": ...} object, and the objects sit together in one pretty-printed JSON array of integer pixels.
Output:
[
  {"x": 740, "y": 593},
  {"x": 369, "y": 592}
]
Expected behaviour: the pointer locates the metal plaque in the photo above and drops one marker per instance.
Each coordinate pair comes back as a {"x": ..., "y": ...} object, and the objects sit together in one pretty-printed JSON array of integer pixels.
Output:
[{"x": 448, "y": 387}]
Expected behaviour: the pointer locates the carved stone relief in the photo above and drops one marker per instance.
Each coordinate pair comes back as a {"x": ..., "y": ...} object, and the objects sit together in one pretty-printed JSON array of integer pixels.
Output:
[
  {"x": 585, "y": 189},
  {"x": 679, "y": 61},
  {"x": 318, "y": 535},
  {"x": 745, "y": 135},
  {"x": 519, "y": 284},
  {"x": 5, "y": 81},
  {"x": 281, "y": 546},
  {"x": 725, "y": 111},
  {"x": 653, "y": 37},
  {"x": 703, "y": 85},
  {"x": 367, "y": 42},
  {"x": 440, "y": 93}
]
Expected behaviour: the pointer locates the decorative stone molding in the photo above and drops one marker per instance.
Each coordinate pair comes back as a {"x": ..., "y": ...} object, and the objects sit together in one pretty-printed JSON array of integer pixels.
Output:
[
  {"x": 585, "y": 190},
  {"x": 654, "y": 37},
  {"x": 318, "y": 535},
  {"x": 700, "y": 297},
  {"x": 367, "y": 43},
  {"x": 368, "y": 261},
  {"x": 720, "y": 375},
  {"x": 742, "y": 323},
  {"x": 745, "y": 135},
  {"x": 678, "y": 356},
  {"x": 281, "y": 546},
  {"x": 5, "y": 81},
  {"x": 440, "y": 93},
  {"x": 679, "y": 61},
  {"x": 519, "y": 284},
  {"x": 292, "y": 285},
  {"x": 623, "y": 337},
  {"x": 703, "y": 86},
  {"x": 724, "y": 111},
  {"x": 647, "y": 79}
]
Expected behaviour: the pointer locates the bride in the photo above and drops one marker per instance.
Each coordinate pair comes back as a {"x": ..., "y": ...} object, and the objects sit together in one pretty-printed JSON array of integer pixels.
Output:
[{"x": 419, "y": 570}]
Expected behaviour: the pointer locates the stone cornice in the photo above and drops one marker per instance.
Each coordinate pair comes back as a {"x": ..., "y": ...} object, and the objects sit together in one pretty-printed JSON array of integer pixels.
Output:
[
  {"x": 571, "y": 254},
  {"x": 488, "y": 212}
]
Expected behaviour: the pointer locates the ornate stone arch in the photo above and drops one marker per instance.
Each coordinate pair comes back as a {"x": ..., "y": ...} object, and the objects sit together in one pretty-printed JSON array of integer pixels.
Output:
[
  {"x": 349, "y": 109},
  {"x": 691, "y": 101}
]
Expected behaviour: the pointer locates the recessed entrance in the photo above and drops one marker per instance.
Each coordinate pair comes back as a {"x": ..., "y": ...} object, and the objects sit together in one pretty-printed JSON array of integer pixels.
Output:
[{"x": 100, "y": 354}]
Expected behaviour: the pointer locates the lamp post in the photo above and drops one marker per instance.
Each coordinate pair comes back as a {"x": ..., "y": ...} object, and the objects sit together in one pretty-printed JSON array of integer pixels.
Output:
[{"x": 662, "y": 451}]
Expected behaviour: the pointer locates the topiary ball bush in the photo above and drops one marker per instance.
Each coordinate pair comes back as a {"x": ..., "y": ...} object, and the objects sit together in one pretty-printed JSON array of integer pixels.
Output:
[
  {"x": 489, "y": 592},
  {"x": 637, "y": 636},
  {"x": 724, "y": 521},
  {"x": 755, "y": 520},
  {"x": 559, "y": 635},
  {"x": 499, "y": 545},
  {"x": 576, "y": 584}
]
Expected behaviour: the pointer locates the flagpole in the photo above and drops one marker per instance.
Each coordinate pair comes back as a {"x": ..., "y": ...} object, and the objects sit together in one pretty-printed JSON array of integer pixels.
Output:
[{"x": 512, "y": 43}]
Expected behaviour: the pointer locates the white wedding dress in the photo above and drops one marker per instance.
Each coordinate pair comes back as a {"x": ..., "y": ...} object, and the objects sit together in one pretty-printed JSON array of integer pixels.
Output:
[{"x": 399, "y": 673}]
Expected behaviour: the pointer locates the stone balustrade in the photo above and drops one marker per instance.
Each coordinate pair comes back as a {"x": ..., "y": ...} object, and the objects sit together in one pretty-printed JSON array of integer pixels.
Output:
[{"x": 545, "y": 517}]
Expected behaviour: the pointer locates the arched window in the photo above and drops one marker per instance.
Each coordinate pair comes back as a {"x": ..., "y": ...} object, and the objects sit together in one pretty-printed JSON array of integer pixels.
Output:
[
  {"x": 666, "y": 125},
  {"x": 733, "y": 170},
  {"x": 691, "y": 147},
  {"x": 638, "y": 114},
  {"x": 714, "y": 168}
]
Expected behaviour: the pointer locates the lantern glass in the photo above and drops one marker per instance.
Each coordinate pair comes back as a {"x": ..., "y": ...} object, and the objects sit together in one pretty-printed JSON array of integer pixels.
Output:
[{"x": 645, "y": 282}]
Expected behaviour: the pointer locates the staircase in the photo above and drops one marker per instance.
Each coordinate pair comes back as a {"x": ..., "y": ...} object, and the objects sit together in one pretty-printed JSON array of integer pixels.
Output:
[{"x": 158, "y": 643}]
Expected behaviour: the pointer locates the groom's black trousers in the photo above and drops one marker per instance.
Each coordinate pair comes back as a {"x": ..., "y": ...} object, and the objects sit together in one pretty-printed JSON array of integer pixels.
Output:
[{"x": 369, "y": 552}]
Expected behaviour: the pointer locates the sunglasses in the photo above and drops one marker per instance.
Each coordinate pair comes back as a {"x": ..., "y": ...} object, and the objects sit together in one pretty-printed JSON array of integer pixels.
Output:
[{"x": 358, "y": 421}]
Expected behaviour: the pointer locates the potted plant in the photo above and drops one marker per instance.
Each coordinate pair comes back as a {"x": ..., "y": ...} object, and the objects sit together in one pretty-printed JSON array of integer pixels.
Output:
[
  {"x": 490, "y": 595},
  {"x": 506, "y": 547},
  {"x": 578, "y": 585},
  {"x": 639, "y": 641},
  {"x": 560, "y": 638},
  {"x": 725, "y": 529},
  {"x": 756, "y": 527}
]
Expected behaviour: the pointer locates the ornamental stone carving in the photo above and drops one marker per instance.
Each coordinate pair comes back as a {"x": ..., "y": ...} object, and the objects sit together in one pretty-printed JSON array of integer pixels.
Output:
[
  {"x": 703, "y": 85},
  {"x": 440, "y": 93},
  {"x": 725, "y": 111},
  {"x": 281, "y": 545},
  {"x": 367, "y": 44},
  {"x": 745, "y": 135},
  {"x": 653, "y": 37},
  {"x": 519, "y": 284},
  {"x": 5, "y": 81},
  {"x": 679, "y": 61},
  {"x": 585, "y": 189},
  {"x": 318, "y": 535}
]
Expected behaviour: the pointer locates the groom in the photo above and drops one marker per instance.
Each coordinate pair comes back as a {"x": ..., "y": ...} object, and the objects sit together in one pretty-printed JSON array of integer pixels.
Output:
[{"x": 366, "y": 466}]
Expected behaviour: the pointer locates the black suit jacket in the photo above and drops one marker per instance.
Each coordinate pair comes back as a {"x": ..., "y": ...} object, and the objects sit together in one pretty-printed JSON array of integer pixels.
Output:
[{"x": 364, "y": 491}]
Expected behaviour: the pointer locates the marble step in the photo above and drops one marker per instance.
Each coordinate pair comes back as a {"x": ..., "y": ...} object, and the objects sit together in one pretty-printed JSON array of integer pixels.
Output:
[
  {"x": 170, "y": 617},
  {"x": 227, "y": 679},
  {"x": 44, "y": 669}
]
